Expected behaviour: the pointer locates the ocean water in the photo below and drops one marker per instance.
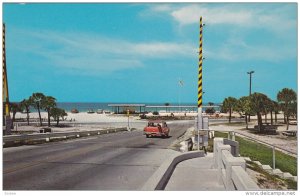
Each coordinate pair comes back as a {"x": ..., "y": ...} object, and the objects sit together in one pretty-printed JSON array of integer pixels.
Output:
[{"x": 84, "y": 107}]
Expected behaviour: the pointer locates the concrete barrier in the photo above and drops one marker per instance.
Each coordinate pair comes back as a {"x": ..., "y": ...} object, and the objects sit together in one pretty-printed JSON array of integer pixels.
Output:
[
  {"x": 11, "y": 140},
  {"x": 231, "y": 170},
  {"x": 242, "y": 180},
  {"x": 160, "y": 178},
  {"x": 186, "y": 145},
  {"x": 234, "y": 145}
]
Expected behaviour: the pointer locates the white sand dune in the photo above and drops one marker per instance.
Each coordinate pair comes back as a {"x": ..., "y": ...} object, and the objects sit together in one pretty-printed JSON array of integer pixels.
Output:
[{"x": 83, "y": 117}]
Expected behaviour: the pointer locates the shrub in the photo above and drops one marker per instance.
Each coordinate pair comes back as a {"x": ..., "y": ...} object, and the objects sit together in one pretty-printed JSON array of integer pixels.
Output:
[{"x": 155, "y": 113}]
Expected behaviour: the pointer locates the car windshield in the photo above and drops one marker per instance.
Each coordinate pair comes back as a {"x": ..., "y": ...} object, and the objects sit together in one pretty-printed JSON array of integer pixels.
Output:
[{"x": 153, "y": 124}]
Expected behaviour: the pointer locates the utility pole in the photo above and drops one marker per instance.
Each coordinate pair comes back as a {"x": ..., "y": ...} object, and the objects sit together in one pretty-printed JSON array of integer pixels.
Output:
[
  {"x": 5, "y": 97},
  {"x": 250, "y": 74}
]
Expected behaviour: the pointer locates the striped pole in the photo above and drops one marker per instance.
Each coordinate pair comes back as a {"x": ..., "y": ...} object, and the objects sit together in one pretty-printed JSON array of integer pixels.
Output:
[
  {"x": 200, "y": 93},
  {"x": 6, "y": 115},
  {"x": 4, "y": 75}
]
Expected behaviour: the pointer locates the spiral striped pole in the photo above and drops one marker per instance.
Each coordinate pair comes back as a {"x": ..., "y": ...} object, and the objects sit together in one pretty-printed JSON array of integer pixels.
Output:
[
  {"x": 4, "y": 75},
  {"x": 200, "y": 93},
  {"x": 5, "y": 97}
]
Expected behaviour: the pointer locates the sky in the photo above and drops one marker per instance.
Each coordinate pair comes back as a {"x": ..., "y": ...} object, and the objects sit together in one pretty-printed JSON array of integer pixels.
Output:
[{"x": 138, "y": 52}]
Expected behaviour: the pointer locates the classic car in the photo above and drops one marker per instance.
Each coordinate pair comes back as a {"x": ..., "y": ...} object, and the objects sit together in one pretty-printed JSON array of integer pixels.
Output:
[{"x": 156, "y": 128}]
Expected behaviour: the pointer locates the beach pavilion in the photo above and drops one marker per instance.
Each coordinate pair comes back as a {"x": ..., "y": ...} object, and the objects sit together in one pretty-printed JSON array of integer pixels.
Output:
[{"x": 122, "y": 108}]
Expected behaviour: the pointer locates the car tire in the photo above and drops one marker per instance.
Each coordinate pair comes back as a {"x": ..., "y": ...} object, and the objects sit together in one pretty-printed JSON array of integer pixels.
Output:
[{"x": 147, "y": 136}]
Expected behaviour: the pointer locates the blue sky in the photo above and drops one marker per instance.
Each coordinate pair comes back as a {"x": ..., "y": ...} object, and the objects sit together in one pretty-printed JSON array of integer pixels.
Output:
[{"x": 135, "y": 52}]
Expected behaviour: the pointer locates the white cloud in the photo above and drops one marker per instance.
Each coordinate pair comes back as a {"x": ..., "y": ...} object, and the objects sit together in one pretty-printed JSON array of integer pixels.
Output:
[
  {"x": 160, "y": 49},
  {"x": 242, "y": 25},
  {"x": 235, "y": 49},
  {"x": 92, "y": 53},
  {"x": 191, "y": 14},
  {"x": 161, "y": 7},
  {"x": 241, "y": 15}
]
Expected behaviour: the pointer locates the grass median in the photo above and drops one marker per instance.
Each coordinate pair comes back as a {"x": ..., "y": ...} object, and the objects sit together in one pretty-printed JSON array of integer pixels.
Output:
[{"x": 264, "y": 154}]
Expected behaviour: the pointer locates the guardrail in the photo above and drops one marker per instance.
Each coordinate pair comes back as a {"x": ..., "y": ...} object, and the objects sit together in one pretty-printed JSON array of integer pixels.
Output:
[
  {"x": 267, "y": 144},
  {"x": 47, "y": 137},
  {"x": 232, "y": 134},
  {"x": 231, "y": 170}
]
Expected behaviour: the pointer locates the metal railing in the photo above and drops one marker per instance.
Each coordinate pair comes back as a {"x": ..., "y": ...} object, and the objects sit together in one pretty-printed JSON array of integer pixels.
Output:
[
  {"x": 272, "y": 147},
  {"x": 267, "y": 144},
  {"x": 49, "y": 136}
]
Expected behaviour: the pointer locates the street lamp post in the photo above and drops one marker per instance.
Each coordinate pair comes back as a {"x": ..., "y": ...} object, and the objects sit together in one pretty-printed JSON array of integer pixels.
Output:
[
  {"x": 250, "y": 74},
  {"x": 181, "y": 83}
]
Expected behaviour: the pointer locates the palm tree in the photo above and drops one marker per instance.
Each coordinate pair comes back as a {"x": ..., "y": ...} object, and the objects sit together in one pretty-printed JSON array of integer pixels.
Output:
[
  {"x": 243, "y": 105},
  {"x": 47, "y": 103},
  {"x": 276, "y": 108},
  {"x": 257, "y": 102},
  {"x": 293, "y": 109},
  {"x": 228, "y": 105},
  {"x": 36, "y": 101},
  {"x": 167, "y": 104},
  {"x": 268, "y": 107},
  {"x": 14, "y": 107},
  {"x": 56, "y": 113},
  {"x": 210, "y": 110},
  {"x": 287, "y": 99},
  {"x": 273, "y": 107},
  {"x": 25, "y": 105}
]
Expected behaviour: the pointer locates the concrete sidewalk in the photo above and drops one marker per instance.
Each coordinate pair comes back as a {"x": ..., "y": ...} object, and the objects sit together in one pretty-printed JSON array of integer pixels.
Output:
[{"x": 195, "y": 174}]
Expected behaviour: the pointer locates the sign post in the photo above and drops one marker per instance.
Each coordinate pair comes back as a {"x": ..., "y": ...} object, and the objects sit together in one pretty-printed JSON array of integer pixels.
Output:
[
  {"x": 128, "y": 127},
  {"x": 273, "y": 150}
]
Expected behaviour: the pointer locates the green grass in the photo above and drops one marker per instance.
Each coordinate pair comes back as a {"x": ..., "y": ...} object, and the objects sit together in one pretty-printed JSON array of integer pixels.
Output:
[
  {"x": 268, "y": 177},
  {"x": 220, "y": 134},
  {"x": 230, "y": 124},
  {"x": 263, "y": 154},
  {"x": 291, "y": 184}
]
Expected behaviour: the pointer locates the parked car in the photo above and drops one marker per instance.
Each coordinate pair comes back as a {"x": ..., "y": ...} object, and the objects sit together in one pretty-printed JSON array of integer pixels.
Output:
[
  {"x": 90, "y": 111},
  {"x": 156, "y": 128},
  {"x": 74, "y": 111},
  {"x": 99, "y": 111}
]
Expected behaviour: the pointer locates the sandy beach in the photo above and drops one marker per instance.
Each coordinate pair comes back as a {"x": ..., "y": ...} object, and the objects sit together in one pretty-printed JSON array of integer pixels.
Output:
[
  {"x": 79, "y": 122},
  {"x": 84, "y": 121},
  {"x": 84, "y": 117},
  {"x": 81, "y": 117}
]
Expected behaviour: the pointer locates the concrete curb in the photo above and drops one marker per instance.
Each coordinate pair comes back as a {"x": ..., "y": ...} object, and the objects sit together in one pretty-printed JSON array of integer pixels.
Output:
[
  {"x": 185, "y": 136},
  {"x": 160, "y": 178},
  {"x": 15, "y": 140}
]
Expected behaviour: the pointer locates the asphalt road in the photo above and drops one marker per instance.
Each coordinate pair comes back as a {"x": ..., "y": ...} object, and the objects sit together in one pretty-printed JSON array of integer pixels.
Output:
[{"x": 118, "y": 161}]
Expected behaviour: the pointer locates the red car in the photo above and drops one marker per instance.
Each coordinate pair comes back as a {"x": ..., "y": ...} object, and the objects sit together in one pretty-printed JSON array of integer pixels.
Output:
[{"x": 157, "y": 128}]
